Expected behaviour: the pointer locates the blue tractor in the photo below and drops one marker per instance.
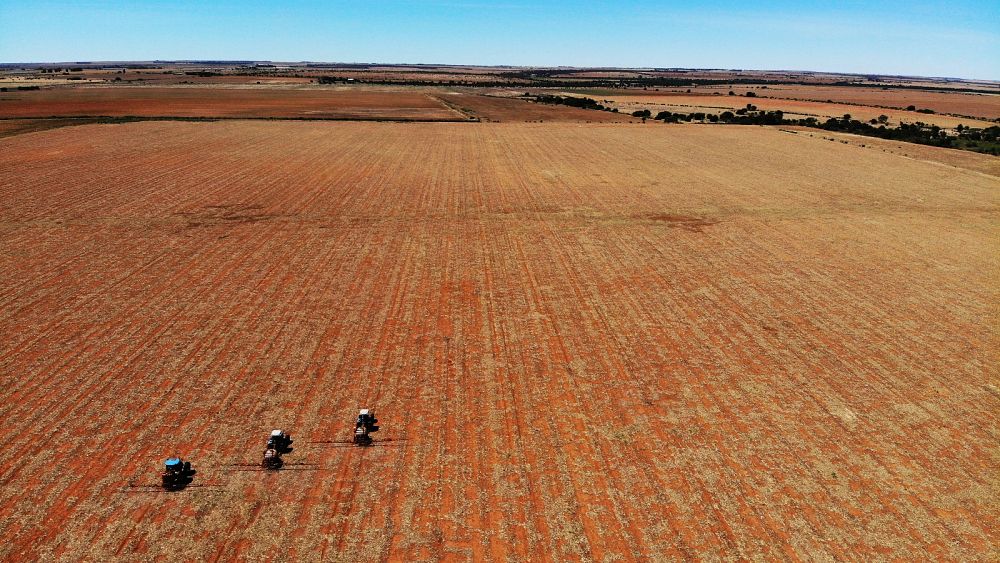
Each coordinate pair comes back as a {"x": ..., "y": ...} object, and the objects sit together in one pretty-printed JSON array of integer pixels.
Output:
[{"x": 177, "y": 474}]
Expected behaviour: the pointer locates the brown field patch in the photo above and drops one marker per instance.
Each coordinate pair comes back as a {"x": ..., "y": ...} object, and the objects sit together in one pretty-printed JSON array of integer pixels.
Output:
[
  {"x": 559, "y": 366},
  {"x": 506, "y": 109},
  {"x": 315, "y": 103},
  {"x": 986, "y": 106},
  {"x": 975, "y": 105}
]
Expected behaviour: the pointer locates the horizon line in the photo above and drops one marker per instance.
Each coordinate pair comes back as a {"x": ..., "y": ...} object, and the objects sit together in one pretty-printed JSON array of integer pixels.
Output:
[{"x": 459, "y": 65}]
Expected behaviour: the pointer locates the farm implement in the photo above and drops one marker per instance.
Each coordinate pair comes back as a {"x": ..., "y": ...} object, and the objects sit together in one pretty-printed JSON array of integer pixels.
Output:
[{"x": 178, "y": 474}]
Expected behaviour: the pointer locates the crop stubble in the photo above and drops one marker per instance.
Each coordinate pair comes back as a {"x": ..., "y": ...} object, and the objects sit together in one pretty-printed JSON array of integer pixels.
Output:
[{"x": 589, "y": 341}]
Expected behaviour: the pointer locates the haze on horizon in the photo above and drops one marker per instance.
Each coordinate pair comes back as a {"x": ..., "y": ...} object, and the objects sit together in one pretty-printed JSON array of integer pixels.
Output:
[{"x": 958, "y": 39}]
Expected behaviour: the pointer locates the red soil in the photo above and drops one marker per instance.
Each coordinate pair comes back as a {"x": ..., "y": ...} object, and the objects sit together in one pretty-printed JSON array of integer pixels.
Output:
[
  {"x": 226, "y": 102},
  {"x": 586, "y": 343}
]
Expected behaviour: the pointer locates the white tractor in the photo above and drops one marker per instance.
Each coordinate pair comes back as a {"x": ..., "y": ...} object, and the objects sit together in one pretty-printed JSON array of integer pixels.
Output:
[{"x": 364, "y": 426}]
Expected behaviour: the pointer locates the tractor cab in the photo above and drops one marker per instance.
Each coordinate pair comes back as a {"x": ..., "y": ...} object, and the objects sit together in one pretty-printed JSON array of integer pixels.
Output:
[
  {"x": 365, "y": 424},
  {"x": 177, "y": 474},
  {"x": 280, "y": 441},
  {"x": 367, "y": 420}
]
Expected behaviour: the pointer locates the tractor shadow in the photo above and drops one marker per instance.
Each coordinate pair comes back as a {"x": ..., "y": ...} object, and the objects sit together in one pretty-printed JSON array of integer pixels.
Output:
[
  {"x": 151, "y": 488},
  {"x": 384, "y": 443},
  {"x": 286, "y": 466}
]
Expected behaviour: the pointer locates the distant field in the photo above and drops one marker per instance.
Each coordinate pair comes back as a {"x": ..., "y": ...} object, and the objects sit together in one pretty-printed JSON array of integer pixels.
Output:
[
  {"x": 494, "y": 108},
  {"x": 329, "y": 103},
  {"x": 975, "y": 105},
  {"x": 659, "y": 101},
  {"x": 986, "y": 106},
  {"x": 965, "y": 160},
  {"x": 595, "y": 342}
]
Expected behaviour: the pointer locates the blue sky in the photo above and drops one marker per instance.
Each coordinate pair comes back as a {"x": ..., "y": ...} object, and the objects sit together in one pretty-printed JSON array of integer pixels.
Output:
[{"x": 958, "y": 38}]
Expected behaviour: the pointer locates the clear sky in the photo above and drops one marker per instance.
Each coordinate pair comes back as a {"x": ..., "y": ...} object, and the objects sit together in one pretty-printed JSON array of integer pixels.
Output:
[{"x": 957, "y": 38}]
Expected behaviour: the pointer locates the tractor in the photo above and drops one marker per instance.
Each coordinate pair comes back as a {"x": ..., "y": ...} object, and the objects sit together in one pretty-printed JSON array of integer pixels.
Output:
[
  {"x": 280, "y": 441},
  {"x": 365, "y": 425},
  {"x": 177, "y": 474}
]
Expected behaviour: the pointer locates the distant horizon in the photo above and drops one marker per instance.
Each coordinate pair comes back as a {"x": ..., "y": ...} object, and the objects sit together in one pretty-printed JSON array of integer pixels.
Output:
[
  {"x": 212, "y": 61},
  {"x": 918, "y": 38}
]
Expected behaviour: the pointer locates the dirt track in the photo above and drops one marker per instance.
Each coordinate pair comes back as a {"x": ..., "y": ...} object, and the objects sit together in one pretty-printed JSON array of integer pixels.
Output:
[{"x": 598, "y": 341}]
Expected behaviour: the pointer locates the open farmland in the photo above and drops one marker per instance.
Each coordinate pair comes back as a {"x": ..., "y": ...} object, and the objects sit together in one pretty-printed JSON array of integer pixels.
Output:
[
  {"x": 229, "y": 102},
  {"x": 687, "y": 103},
  {"x": 982, "y": 105},
  {"x": 985, "y": 106},
  {"x": 595, "y": 342}
]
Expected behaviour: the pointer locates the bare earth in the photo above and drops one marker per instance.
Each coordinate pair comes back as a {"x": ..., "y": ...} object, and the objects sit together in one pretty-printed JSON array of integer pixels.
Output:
[
  {"x": 590, "y": 341},
  {"x": 315, "y": 103}
]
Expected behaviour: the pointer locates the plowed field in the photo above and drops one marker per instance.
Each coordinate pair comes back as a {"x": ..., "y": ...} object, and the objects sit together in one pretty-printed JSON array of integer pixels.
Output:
[
  {"x": 315, "y": 103},
  {"x": 590, "y": 342}
]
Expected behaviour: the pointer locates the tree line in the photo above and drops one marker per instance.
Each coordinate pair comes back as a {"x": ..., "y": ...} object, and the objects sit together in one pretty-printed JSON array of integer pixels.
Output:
[{"x": 984, "y": 140}]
